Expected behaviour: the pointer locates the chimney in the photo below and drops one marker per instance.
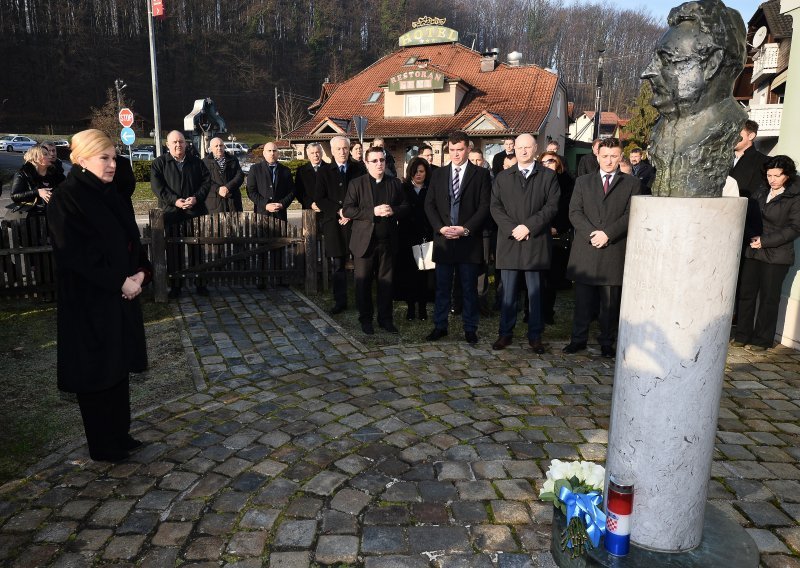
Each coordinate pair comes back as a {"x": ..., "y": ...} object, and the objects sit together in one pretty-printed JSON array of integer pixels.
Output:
[
  {"x": 489, "y": 60},
  {"x": 514, "y": 58}
]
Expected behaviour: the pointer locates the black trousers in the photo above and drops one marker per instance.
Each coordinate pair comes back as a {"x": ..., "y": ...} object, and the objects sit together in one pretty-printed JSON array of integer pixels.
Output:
[
  {"x": 339, "y": 281},
  {"x": 106, "y": 418},
  {"x": 760, "y": 287},
  {"x": 586, "y": 300},
  {"x": 379, "y": 260}
]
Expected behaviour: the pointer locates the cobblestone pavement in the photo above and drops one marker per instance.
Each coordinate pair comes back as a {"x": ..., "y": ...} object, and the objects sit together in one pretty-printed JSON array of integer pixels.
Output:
[{"x": 301, "y": 447}]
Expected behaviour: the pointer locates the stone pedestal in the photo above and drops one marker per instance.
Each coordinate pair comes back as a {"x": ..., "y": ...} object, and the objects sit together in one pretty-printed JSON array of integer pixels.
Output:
[{"x": 677, "y": 301}]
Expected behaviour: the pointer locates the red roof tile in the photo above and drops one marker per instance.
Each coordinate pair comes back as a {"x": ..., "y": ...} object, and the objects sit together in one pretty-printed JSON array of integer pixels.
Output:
[
  {"x": 605, "y": 117},
  {"x": 519, "y": 96}
]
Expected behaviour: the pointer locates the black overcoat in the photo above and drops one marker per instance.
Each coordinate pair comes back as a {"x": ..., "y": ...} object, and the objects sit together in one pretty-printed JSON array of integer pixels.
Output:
[
  {"x": 262, "y": 191},
  {"x": 473, "y": 211},
  {"x": 532, "y": 202},
  {"x": 96, "y": 246},
  {"x": 170, "y": 183},
  {"x": 590, "y": 211},
  {"x": 231, "y": 177},
  {"x": 359, "y": 205},
  {"x": 780, "y": 219},
  {"x": 748, "y": 172},
  {"x": 330, "y": 192},
  {"x": 305, "y": 183}
]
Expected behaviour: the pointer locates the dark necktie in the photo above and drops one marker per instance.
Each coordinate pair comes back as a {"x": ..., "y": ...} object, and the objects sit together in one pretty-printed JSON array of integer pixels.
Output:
[
  {"x": 342, "y": 170},
  {"x": 525, "y": 173},
  {"x": 606, "y": 181},
  {"x": 272, "y": 173},
  {"x": 456, "y": 183},
  {"x": 316, "y": 168}
]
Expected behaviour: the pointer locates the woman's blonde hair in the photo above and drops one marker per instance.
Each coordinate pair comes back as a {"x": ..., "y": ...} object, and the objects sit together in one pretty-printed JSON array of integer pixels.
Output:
[
  {"x": 88, "y": 143},
  {"x": 35, "y": 154}
]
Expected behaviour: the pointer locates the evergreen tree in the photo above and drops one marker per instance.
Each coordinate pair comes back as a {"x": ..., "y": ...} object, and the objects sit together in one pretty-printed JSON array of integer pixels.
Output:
[{"x": 643, "y": 117}]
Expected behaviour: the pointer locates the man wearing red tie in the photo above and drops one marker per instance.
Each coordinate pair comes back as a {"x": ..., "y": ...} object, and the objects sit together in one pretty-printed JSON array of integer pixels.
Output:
[{"x": 599, "y": 212}]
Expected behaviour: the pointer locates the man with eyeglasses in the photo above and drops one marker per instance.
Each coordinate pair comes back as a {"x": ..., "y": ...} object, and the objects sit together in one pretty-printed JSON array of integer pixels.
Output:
[
  {"x": 457, "y": 206},
  {"x": 374, "y": 202},
  {"x": 426, "y": 152},
  {"x": 390, "y": 165},
  {"x": 524, "y": 204},
  {"x": 332, "y": 182}
]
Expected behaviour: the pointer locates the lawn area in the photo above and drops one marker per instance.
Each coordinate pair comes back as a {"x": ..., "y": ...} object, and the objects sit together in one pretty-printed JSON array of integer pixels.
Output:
[{"x": 34, "y": 418}]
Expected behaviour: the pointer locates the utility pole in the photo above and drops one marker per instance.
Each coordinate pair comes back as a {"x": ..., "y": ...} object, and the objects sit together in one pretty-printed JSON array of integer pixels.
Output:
[
  {"x": 154, "y": 79},
  {"x": 598, "y": 93},
  {"x": 119, "y": 84},
  {"x": 277, "y": 116}
]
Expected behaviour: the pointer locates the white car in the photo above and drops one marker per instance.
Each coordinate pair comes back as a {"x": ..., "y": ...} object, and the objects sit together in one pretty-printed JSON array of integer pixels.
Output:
[
  {"x": 237, "y": 148},
  {"x": 16, "y": 143},
  {"x": 142, "y": 155}
]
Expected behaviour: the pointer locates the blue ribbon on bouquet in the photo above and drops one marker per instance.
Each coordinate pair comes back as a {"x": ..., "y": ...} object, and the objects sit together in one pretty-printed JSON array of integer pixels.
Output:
[{"x": 585, "y": 506}]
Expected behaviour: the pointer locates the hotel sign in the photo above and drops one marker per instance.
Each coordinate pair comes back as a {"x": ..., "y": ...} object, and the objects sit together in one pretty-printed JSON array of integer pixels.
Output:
[
  {"x": 426, "y": 35},
  {"x": 417, "y": 80}
]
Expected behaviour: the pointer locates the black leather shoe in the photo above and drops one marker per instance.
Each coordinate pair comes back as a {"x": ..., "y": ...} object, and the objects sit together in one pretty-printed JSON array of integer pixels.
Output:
[
  {"x": 436, "y": 334},
  {"x": 113, "y": 456},
  {"x": 607, "y": 351},
  {"x": 572, "y": 347},
  {"x": 471, "y": 337},
  {"x": 502, "y": 342},
  {"x": 389, "y": 327},
  {"x": 368, "y": 328},
  {"x": 537, "y": 346},
  {"x": 174, "y": 293},
  {"x": 338, "y": 309},
  {"x": 131, "y": 443}
]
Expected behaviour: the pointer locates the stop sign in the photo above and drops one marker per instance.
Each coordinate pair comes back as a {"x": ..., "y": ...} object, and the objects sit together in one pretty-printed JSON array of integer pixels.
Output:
[{"x": 126, "y": 117}]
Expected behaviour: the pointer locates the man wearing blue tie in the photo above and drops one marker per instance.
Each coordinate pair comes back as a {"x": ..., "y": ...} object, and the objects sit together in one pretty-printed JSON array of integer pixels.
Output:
[{"x": 269, "y": 184}]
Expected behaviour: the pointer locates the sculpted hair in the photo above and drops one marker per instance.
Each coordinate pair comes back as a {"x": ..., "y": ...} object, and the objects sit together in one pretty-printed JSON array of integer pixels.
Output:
[
  {"x": 782, "y": 162},
  {"x": 88, "y": 143},
  {"x": 35, "y": 153},
  {"x": 414, "y": 164},
  {"x": 610, "y": 143},
  {"x": 457, "y": 137}
]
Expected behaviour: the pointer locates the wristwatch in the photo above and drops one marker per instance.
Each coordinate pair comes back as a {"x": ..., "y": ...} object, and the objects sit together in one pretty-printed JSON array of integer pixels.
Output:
[{"x": 466, "y": 232}]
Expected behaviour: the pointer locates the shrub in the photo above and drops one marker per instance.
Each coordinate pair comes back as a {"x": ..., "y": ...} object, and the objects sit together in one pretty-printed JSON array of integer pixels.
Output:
[{"x": 141, "y": 170}]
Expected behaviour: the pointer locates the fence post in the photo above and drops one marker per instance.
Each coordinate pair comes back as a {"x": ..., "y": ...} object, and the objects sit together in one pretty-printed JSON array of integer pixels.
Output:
[
  {"x": 158, "y": 254},
  {"x": 310, "y": 237}
]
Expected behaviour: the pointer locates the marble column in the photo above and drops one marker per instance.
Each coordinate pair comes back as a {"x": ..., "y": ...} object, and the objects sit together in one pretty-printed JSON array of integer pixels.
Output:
[{"x": 677, "y": 302}]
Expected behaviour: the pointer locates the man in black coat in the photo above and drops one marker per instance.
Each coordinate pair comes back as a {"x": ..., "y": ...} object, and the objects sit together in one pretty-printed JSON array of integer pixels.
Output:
[
  {"x": 374, "y": 202},
  {"x": 426, "y": 152},
  {"x": 269, "y": 184},
  {"x": 588, "y": 164},
  {"x": 226, "y": 179},
  {"x": 332, "y": 182},
  {"x": 305, "y": 182},
  {"x": 181, "y": 182},
  {"x": 748, "y": 161},
  {"x": 457, "y": 206},
  {"x": 499, "y": 158},
  {"x": 524, "y": 204},
  {"x": 642, "y": 169},
  {"x": 599, "y": 212}
]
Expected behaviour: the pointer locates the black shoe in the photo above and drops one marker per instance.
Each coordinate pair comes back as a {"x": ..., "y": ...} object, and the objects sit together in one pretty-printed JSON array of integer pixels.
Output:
[
  {"x": 436, "y": 334},
  {"x": 130, "y": 443},
  {"x": 736, "y": 343},
  {"x": 389, "y": 327},
  {"x": 202, "y": 290},
  {"x": 337, "y": 309},
  {"x": 536, "y": 346},
  {"x": 471, "y": 337},
  {"x": 573, "y": 347},
  {"x": 367, "y": 328},
  {"x": 411, "y": 313},
  {"x": 607, "y": 351},
  {"x": 502, "y": 342},
  {"x": 174, "y": 293},
  {"x": 113, "y": 456}
]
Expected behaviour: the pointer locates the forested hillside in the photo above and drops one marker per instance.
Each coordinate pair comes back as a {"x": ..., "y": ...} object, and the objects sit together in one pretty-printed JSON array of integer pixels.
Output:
[{"x": 60, "y": 56}]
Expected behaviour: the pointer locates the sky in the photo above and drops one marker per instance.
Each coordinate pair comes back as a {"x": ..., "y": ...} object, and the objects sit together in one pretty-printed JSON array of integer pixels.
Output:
[{"x": 660, "y": 8}]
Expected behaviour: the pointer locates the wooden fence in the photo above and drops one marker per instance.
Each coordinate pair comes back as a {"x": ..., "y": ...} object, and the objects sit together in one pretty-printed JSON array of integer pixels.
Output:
[{"x": 237, "y": 249}]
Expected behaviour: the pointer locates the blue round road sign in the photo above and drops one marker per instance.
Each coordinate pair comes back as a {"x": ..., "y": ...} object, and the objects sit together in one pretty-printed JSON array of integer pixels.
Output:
[{"x": 128, "y": 136}]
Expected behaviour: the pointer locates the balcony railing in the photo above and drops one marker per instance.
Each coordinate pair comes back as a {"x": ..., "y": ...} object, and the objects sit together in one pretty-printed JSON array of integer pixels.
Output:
[
  {"x": 765, "y": 61},
  {"x": 768, "y": 118}
]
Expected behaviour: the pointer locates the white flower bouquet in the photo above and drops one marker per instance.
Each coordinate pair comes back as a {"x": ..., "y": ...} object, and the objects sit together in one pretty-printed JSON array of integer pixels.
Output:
[{"x": 576, "y": 489}]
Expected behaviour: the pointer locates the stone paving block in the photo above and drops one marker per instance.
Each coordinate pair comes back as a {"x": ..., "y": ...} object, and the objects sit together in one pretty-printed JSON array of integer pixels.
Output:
[
  {"x": 112, "y": 512},
  {"x": 763, "y": 514},
  {"x": 217, "y": 524},
  {"x": 352, "y": 464},
  {"x": 454, "y": 471},
  {"x": 510, "y": 512},
  {"x": 71, "y": 560},
  {"x": 56, "y": 532},
  {"x": 416, "y": 561},
  {"x": 123, "y": 547},
  {"x": 138, "y": 522},
  {"x": 172, "y": 534},
  {"x": 336, "y": 550},
  {"x": 749, "y": 489},
  {"x": 792, "y": 537},
  {"x": 91, "y": 539},
  {"x": 464, "y": 561},
  {"x": 515, "y": 489},
  {"x": 325, "y": 483},
  {"x": 402, "y": 492},
  {"x": 77, "y": 509},
  {"x": 432, "y": 538},
  {"x": 336, "y": 522},
  {"x": 489, "y": 469},
  {"x": 383, "y": 540},
  {"x": 204, "y": 548},
  {"x": 493, "y": 538},
  {"x": 248, "y": 543},
  {"x": 350, "y": 501},
  {"x": 476, "y": 490},
  {"x": 429, "y": 513},
  {"x": 437, "y": 491},
  {"x": 387, "y": 515},
  {"x": 27, "y": 520},
  {"x": 304, "y": 508},
  {"x": 276, "y": 493},
  {"x": 295, "y": 534},
  {"x": 290, "y": 559},
  {"x": 515, "y": 561},
  {"x": 469, "y": 512},
  {"x": 767, "y": 542}
]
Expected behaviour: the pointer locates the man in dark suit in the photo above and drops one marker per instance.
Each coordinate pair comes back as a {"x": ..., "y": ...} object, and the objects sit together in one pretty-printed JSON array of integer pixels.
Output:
[
  {"x": 374, "y": 202},
  {"x": 748, "y": 161},
  {"x": 642, "y": 169},
  {"x": 226, "y": 179},
  {"x": 588, "y": 164},
  {"x": 524, "y": 204},
  {"x": 508, "y": 150},
  {"x": 599, "y": 212},
  {"x": 457, "y": 206},
  {"x": 269, "y": 184},
  {"x": 305, "y": 182},
  {"x": 332, "y": 182},
  {"x": 426, "y": 152}
]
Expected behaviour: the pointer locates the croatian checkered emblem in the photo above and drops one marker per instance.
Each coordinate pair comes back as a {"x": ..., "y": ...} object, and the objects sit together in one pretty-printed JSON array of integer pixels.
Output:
[{"x": 611, "y": 524}]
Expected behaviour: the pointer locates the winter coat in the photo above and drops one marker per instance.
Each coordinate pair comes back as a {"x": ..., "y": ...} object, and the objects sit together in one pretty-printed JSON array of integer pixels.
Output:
[
  {"x": 26, "y": 184},
  {"x": 781, "y": 226},
  {"x": 231, "y": 177}
]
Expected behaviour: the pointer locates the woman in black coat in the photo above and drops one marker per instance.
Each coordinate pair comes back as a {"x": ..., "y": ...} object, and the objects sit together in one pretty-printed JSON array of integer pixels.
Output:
[
  {"x": 413, "y": 285},
  {"x": 34, "y": 182},
  {"x": 769, "y": 256},
  {"x": 101, "y": 268}
]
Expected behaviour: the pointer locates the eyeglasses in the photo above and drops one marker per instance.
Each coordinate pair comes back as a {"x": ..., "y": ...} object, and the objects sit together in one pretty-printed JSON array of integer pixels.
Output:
[
  {"x": 378, "y": 161},
  {"x": 550, "y": 161}
]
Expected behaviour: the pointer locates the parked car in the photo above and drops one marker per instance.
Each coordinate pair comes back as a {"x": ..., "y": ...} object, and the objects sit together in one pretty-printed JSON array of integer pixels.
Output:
[
  {"x": 16, "y": 143},
  {"x": 237, "y": 148},
  {"x": 60, "y": 143},
  {"x": 142, "y": 155}
]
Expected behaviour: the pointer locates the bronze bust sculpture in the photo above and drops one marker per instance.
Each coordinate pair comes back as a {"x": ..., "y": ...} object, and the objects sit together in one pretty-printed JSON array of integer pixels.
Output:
[{"x": 692, "y": 73}]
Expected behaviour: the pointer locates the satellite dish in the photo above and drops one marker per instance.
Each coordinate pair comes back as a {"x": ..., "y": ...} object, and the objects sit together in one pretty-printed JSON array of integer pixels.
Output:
[{"x": 759, "y": 36}]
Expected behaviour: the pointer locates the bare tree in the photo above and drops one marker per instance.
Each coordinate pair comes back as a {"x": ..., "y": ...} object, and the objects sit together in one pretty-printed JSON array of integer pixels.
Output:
[{"x": 292, "y": 112}]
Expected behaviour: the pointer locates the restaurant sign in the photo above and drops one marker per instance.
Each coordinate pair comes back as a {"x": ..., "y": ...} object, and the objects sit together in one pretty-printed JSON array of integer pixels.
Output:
[
  {"x": 427, "y": 31},
  {"x": 417, "y": 80}
]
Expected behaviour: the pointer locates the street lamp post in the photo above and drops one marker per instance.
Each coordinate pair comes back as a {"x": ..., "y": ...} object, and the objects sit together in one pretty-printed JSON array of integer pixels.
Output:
[
  {"x": 154, "y": 79},
  {"x": 598, "y": 92}
]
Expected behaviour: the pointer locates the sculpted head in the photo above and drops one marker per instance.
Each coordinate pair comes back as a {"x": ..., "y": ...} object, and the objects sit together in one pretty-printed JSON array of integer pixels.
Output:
[{"x": 698, "y": 58}]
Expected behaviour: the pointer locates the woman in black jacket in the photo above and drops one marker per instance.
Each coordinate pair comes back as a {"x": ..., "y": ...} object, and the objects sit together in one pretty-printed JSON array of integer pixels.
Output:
[
  {"x": 34, "y": 182},
  {"x": 769, "y": 256},
  {"x": 101, "y": 268},
  {"x": 413, "y": 285}
]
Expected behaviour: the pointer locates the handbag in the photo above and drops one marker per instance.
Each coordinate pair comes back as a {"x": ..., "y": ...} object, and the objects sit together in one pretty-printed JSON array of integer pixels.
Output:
[{"x": 423, "y": 255}]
